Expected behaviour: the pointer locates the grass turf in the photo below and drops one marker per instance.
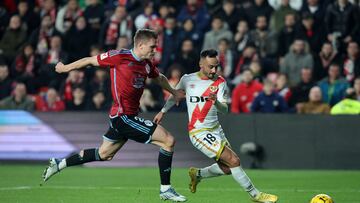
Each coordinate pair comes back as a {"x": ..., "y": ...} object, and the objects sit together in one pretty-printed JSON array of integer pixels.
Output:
[{"x": 20, "y": 184}]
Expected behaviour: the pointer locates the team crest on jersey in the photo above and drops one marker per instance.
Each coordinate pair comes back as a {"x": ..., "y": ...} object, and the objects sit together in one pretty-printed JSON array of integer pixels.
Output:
[
  {"x": 138, "y": 82},
  {"x": 213, "y": 88},
  {"x": 147, "y": 68},
  {"x": 192, "y": 86}
]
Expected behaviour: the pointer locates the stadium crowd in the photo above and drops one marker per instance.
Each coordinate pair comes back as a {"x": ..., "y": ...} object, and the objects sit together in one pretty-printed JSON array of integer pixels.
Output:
[{"x": 277, "y": 55}]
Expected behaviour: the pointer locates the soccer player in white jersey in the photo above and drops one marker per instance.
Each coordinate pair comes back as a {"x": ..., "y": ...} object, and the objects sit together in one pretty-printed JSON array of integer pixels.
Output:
[{"x": 206, "y": 95}]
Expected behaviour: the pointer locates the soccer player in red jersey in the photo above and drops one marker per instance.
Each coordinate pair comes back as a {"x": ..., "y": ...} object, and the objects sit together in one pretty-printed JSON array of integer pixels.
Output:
[{"x": 128, "y": 70}]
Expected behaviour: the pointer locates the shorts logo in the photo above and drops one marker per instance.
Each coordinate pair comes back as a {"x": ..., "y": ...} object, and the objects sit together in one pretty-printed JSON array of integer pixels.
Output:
[
  {"x": 104, "y": 55},
  {"x": 148, "y": 123}
]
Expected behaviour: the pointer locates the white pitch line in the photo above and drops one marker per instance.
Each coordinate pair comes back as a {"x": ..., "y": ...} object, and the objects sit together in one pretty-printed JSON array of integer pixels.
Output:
[{"x": 155, "y": 189}]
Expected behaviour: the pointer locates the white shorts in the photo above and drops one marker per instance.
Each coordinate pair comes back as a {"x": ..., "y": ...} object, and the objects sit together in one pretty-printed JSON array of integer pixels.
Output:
[{"x": 210, "y": 141}]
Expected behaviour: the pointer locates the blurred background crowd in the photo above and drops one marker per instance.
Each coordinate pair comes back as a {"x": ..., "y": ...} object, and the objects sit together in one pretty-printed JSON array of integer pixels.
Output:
[{"x": 278, "y": 56}]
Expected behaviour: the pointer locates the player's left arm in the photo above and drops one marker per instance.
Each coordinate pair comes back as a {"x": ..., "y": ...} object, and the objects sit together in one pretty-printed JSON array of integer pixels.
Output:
[{"x": 220, "y": 99}]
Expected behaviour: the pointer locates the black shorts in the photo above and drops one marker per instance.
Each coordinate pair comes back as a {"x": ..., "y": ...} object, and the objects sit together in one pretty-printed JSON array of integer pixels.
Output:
[{"x": 124, "y": 127}]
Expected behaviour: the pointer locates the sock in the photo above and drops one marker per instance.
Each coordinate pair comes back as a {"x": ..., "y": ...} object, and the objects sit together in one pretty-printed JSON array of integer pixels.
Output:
[
  {"x": 75, "y": 159},
  {"x": 240, "y": 176},
  {"x": 164, "y": 160},
  {"x": 163, "y": 188},
  {"x": 210, "y": 171}
]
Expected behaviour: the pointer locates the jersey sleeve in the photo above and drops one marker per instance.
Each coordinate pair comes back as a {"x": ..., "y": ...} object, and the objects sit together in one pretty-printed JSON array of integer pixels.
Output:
[
  {"x": 110, "y": 58},
  {"x": 154, "y": 71},
  {"x": 223, "y": 93},
  {"x": 181, "y": 85}
]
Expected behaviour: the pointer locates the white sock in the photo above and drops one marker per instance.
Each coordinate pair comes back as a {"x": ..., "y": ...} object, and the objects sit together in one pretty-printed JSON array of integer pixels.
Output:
[
  {"x": 163, "y": 188},
  {"x": 210, "y": 171},
  {"x": 240, "y": 176},
  {"x": 62, "y": 164}
]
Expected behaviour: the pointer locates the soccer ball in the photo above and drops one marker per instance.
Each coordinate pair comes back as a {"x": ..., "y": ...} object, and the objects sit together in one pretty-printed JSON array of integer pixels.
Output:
[{"x": 322, "y": 198}]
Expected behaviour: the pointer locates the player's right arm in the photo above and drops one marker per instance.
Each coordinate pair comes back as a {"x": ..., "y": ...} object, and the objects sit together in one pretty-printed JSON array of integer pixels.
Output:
[{"x": 62, "y": 68}]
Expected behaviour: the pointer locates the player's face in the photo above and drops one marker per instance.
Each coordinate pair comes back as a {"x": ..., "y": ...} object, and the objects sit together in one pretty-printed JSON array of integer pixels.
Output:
[
  {"x": 148, "y": 49},
  {"x": 209, "y": 66}
]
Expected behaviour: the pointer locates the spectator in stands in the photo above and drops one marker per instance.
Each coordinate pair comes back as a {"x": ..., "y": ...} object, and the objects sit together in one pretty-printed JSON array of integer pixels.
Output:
[
  {"x": 282, "y": 87},
  {"x": 78, "y": 103},
  {"x": 342, "y": 21},
  {"x": 269, "y": 101},
  {"x": 218, "y": 31},
  {"x": 198, "y": 13},
  {"x": 226, "y": 58},
  {"x": 94, "y": 15},
  {"x": 5, "y": 81},
  {"x": 294, "y": 4},
  {"x": 356, "y": 88},
  {"x": 301, "y": 91},
  {"x": 258, "y": 8},
  {"x": 241, "y": 37},
  {"x": 99, "y": 83},
  {"x": 174, "y": 74},
  {"x": 4, "y": 19},
  {"x": 48, "y": 8},
  {"x": 249, "y": 55},
  {"x": 316, "y": 9},
  {"x": 187, "y": 57},
  {"x": 75, "y": 79},
  {"x": 98, "y": 102},
  {"x": 277, "y": 17},
  {"x": 47, "y": 74},
  {"x": 19, "y": 100},
  {"x": 25, "y": 68},
  {"x": 77, "y": 40},
  {"x": 297, "y": 58},
  {"x": 286, "y": 34},
  {"x": 118, "y": 24},
  {"x": 349, "y": 105},
  {"x": 256, "y": 69},
  {"x": 171, "y": 43},
  {"x": 315, "y": 104},
  {"x": 327, "y": 56},
  {"x": 263, "y": 38},
  {"x": 148, "y": 14},
  {"x": 29, "y": 19},
  {"x": 311, "y": 33},
  {"x": 67, "y": 15},
  {"x": 164, "y": 11},
  {"x": 188, "y": 31},
  {"x": 352, "y": 62},
  {"x": 40, "y": 37},
  {"x": 123, "y": 43},
  {"x": 50, "y": 101},
  {"x": 231, "y": 15},
  {"x": 333, "y": 87},
  {"x": 12, "y": 39},
  {"x": 244, "y": 93}
]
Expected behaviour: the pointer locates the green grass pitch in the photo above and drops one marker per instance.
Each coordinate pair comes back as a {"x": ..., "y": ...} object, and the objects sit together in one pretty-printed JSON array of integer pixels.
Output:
[{"x": 20, "y": 184}]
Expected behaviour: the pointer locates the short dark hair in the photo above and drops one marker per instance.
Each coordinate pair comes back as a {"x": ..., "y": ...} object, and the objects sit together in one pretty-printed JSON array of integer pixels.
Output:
[
  {"x": 144, "y": 35},
  {"x": 212, "y": 53}
]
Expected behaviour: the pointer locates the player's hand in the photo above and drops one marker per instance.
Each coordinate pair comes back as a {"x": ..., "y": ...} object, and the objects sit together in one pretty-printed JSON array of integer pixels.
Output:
[
  {"x": 60, "y": 68},
  {"x": 178, "y": 96},
  {"x": 212, "y": 97},
  {"x": 158, "y": 118}
]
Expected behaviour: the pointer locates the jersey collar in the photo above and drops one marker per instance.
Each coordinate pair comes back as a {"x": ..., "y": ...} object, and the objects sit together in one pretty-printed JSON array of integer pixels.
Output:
[{"x": 133, "y": 54}]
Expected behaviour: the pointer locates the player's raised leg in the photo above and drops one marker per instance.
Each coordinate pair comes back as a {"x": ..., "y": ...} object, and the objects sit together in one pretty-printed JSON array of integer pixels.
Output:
[
  {"x": 166, "y": 141},
  {"x": 230, "y": 159},
  {"x": 214, "y": 170},
  {"x": 106, "y": 152}
]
